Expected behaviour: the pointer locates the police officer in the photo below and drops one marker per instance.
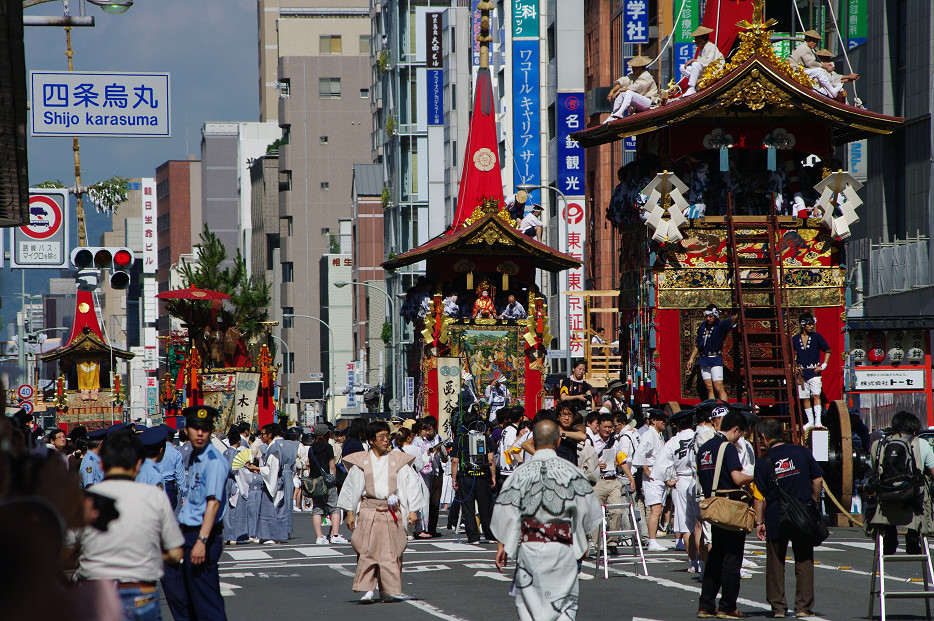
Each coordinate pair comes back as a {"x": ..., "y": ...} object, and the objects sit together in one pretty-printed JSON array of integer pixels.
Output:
[
  {"x": 193, "y": 589},
  {"x": 153, "y": 440},
  {"x": 91, "y": 471},
  {"x": 171, "y": 468}
]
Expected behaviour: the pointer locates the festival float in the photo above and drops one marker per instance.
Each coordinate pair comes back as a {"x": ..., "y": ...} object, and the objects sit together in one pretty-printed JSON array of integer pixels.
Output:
[
  {"x": 720, "y": 208},
  {"x": 470, "y": 269}
]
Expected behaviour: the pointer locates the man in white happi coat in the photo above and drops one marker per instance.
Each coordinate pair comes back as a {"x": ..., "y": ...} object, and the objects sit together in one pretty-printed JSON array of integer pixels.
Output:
[
  {"x": 836, "y": 80},
  {"x": 381, "y": 494},
  {"x": 637, "y": 90},
  {"x": 541, "y": 519},
  {"x": 676, "y": 459},
  {"x": 705, "y": 54},
  {"x": 653, "y": 482},
  {"x": 805, "y": 56}
]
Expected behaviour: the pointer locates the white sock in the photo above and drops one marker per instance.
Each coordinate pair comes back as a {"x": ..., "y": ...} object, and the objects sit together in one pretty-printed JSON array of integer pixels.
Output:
[
  {"x": 817, "y": 415},
  {"x": 367, "y": 595},
  {"x": 809, "y": 413}
]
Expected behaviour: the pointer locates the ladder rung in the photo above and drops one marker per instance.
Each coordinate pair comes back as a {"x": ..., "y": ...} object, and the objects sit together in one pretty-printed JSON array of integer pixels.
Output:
[
  {"x": 901, "y": 558},
  {"x": 908, "y": 594},
  {"x": 620, "y": 532}
]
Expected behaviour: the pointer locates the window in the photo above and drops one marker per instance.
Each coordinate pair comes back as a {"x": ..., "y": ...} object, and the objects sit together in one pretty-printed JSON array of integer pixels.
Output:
[
  {"x": 323, "y": 139},
  {"x": 364, "y": 93},
  {"x": 285, "y": 88},
  {"x": 288, "y": 322},
  {"x": 285, "y": 180},
  {"x": 325, "y": 185},
  {"x": 285, "y": 226},
  {"x": 291, "y": 364},
  {"x": 454, "y": 97},
  {"x": 288, "y": 273},
  {"x": 329, "y": 44},
  {"x": 364, "y": 45},
  {"x": 329, "y": 88}
]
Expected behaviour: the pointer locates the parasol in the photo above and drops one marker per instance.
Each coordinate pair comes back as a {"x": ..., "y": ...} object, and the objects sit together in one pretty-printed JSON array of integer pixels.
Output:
[{"x": 192, "y": 293}]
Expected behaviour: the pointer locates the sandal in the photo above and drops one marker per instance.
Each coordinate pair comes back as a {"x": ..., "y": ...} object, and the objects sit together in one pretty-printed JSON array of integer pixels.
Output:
[{"x": 425, "y": 535}]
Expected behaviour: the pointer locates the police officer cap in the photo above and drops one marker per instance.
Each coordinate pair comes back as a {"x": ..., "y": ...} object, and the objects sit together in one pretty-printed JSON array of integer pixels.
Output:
[
  {"x": 678, "y": 418},
  {"x": 116, "y": 427},
  {"x": 98, "y": 434},
  {"x": 200, "y": 416},
  {"x": 153, "y": 436},
  {"x": 709, "y": 404},
  {"x": 748, "y": 412},
  {"x": 140, "y": 427},
  {"x": 655, "y": 414}
]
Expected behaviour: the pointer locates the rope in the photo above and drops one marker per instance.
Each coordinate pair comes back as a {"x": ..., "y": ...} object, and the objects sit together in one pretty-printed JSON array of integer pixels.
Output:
[
  {"x": 669, "y": 37},
  {"x": 846, "y": 56},
  {"x": 855, "y": 521}
]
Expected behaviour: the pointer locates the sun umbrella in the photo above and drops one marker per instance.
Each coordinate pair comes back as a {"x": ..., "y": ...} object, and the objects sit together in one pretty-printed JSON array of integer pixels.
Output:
[{"x": 192, "y": 293}]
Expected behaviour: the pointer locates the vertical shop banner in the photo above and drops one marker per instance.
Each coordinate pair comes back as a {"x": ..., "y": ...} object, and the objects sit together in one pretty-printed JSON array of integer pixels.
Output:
[
  {"x": 150, "y": 214},
  {"x": 856, "y": 23},
  {"x": 636, "y": 21},
  {"x": 351, "y": 375},
  {"x": 244, "y": 405},
  {"x": 570, "y": 154},
  {"x": 575, "y": 227},
  {"x": 525, "y": 18},
  {"x": 526, "y": 119},
  {"x": 684, "y": 42},
  {"x": 475, "y": 32},
  {"x": 434, "y": 63}
]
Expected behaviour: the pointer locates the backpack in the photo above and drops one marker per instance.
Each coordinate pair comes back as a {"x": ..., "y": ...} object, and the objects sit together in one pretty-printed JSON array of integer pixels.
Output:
[{"x": 899, "y": 478}]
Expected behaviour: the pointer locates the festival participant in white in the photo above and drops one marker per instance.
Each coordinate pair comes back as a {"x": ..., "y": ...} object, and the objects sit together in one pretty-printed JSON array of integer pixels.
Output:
[
  {"x": 380, "y": 494},
  {"x": 541, "y": 519}
]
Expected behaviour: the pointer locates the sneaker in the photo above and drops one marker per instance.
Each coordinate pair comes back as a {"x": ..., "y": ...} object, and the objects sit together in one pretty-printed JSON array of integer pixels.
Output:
[
  {"x": 706, "y": 613},
  {"x": 368, "y": 598},
  {"x": 693, "y": 569},
  {"x": 338, "y": 539},
  {"x": 654, "y": 546},
  {"x": 748, "y": 563},
  {"x": 323, "y": 541},
  {"x": 661, "y": 533},
  {"x": 735, "y": 614},
  {"x": 745, "y": 574},
  {"x": 270, "y": 542},
  {"x": 253, "y": 540},
  {"x": 803, "y": 614}
]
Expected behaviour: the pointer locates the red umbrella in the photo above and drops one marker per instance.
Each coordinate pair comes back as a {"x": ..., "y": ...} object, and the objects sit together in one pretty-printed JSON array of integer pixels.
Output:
[{"x": 192, "y": 293}]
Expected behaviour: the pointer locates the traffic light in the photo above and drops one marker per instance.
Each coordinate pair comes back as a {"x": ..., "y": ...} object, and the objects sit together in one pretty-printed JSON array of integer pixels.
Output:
[{"x": 117, "y": 260}]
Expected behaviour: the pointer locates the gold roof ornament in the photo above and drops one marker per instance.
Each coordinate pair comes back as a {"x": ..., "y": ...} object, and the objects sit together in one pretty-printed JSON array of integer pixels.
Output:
[
  {"x": 665, "y": 198},
  {"x": 490, "y": 205},
  {"x": 755, "y": 40}
]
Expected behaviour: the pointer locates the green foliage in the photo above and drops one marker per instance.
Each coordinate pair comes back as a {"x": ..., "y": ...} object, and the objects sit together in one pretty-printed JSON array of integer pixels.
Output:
[
  {"x": 386, "y": 333},
  {"x": 385, "y": 197},
  {"x": 273, "y": 148},
  {"x": 334, "y": 243},
  {"x": 249, "y": 296},
  {"x": 109, "y": 194},
  {"x": 382, "y": 62},
  {"x": 51, "y": 185},
  {"x": 390, "y": 126}
]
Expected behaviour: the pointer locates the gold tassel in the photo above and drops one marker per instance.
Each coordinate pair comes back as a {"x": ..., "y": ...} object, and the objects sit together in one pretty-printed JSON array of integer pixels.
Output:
[
  {"x": 505, "y": 281},
  {"x": 469, "y": 280}
]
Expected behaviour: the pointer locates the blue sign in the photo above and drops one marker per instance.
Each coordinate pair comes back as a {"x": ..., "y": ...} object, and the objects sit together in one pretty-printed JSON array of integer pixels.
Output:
[
  {"x": 570, "y": 108},
  {"x": 526, "y": 118},
  {"x": 684, "y": 53},
  {"x": 435, "y": 96},
  {"x": 636, "y": 21},
  {"x": 72, "y": 103},
  {"x": 630, "y": 144}
]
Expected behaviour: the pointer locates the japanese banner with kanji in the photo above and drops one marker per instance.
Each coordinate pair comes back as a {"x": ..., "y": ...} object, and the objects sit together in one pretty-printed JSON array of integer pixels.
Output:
[
  {"x": 572, "y": 227},
  {"x": 150, "y": 214},
  {"x": 244, "y": 405}
]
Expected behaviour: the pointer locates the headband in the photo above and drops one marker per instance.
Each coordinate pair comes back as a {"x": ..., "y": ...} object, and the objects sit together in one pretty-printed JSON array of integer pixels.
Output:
[{"x": 713, "y": 312}]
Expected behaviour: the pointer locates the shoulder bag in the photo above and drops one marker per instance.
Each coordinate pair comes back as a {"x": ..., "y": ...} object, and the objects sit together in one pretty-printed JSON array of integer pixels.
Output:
[
  {"x": 728, "y": 509},
  {"x": 315, "y": 487},
  {"x": 797, "y": 519}
]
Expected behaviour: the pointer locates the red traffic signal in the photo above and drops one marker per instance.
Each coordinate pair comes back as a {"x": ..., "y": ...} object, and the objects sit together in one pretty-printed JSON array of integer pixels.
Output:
[
  {"x": 123, "y": 258},
  {"x": 118, "y": 260}
]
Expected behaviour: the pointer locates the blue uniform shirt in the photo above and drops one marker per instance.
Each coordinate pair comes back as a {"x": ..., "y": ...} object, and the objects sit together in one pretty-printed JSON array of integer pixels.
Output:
[
  {"x": 149, "y": 473},
  {"x": 809, "y": 357},
  {"x": 171, "y": 464},
  {"x": 206, "y": 479},
  {"x": 91, "y": 471},
  {"x": 794, "y": 468},
  {"x": 710, "y": 342},
  {"x": 707, "y": 465}
]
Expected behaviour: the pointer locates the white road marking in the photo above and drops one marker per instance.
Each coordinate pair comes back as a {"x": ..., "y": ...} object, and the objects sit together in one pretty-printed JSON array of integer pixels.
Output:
[
  {"x": 249, "y": 555},
  {"x": 414, "y": 569},
  {"x": 312, "y": 551},
  {"x": 342, "y": 570},
  {"x": 227, "y": 589},
  {"x": 864, "y": 545},
  {"x": 432, "y": 610},
  {"x": 459, "y": 547},
  {"x": 495, "y": 575}
]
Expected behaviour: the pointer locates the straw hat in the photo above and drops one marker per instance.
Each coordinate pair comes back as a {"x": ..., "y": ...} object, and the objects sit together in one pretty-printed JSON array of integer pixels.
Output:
[
  {"x": 640, "y": 61},
  {"x": 701, "y": 31},
  {"x": 812, "y": 34},
  {"x": 825, "y": 54}
]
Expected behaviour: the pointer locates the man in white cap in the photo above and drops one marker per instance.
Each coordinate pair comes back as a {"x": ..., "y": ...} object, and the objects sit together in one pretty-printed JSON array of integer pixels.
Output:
[
  {"x": 637, "y": 90},
  {"x": 804, "y": 56},
  {"x": 705, "y": 53},
  {"x": 836, "y": 80},
  {"x": 497, "y": 396}
]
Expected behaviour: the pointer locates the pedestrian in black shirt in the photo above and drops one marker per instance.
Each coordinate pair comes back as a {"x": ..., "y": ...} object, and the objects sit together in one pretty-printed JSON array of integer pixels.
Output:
[
  {"x": 474, "y": 480},
  {"x": 726, "y": 550},
  {"x": 794, "y": 469}
]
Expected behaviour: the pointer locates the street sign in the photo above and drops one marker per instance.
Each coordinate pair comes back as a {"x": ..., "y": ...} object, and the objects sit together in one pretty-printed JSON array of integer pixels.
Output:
[
  {"x": 316, "y": 376},
  {"x": 43, "y": 243},
  {"x": 394, "y": 405},
  {"x": 25, "y": 392},
  {"x": 85, "y": 103},
  {"x": 28, "y": 406}
]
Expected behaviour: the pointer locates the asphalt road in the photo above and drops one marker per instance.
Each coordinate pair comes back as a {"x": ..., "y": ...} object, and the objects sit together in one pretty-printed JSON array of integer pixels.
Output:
[{"x": 455, "y": 581}]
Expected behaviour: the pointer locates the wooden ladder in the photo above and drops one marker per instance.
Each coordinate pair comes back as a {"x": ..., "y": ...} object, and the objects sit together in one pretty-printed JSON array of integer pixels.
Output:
[{"x": 758, "y": 276}]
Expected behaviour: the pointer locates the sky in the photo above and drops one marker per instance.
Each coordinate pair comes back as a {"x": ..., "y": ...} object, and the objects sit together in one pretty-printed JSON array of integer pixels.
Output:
[{"x": 209, "y": 48}]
